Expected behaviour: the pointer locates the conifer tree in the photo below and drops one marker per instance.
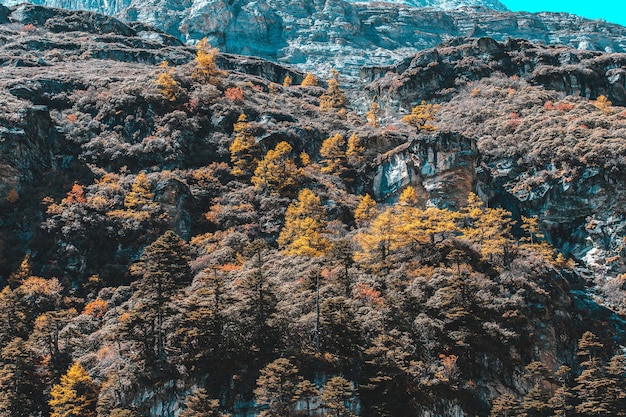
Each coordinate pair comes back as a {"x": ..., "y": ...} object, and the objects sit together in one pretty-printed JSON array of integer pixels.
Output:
[
  {"x": 164, "y": 268},
  {"x": 140, "y": 197},
  {"x": 536, "y": 401},
  {"x": 168, "y": 86},
  {"x": 355, "y": 151},
  {"x": 373, "y": 115},
  {"x": 305, "y": 221},
  {"x": 309, "y": 80},
  {"x": 422, "y": 116},
  {"x": 336, "y": 396},
  {"x": 287, "y": 81},
  {"x": 277, "y": 386},
  {"x": 334, "y": 98},
  {"x": 592, "y": 382},
  {"x": 22, "y": 274},
  {"x": 75, "y": 395},
  {"x": 277, "y": 172},
  {"x": 563, "y": 398},
  {"x": 333, "y": 152},
  {"x": 206, "y": 66},
  {"x": 244, "y": 150},
  {"x": 365, "y": 211},
  {"x": 198, "y": 404},
  {"x": 505, "y": 405},
  {"x": 18, "y": 390}
]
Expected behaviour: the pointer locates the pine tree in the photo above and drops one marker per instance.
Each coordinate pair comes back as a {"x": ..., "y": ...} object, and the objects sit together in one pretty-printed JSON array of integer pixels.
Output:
[
  {"x": 535, "y": 402},
  {"x": 592, "y": 381},
  {"x": 18, "y": 390},
  {"x": 277, "y": 172},
  {"x": 198, "y": 404},
  {"x": 563, "y": 398},
  {"x": 164, "y": 269},
  {"x": 75, "y": 396},
  {"x": 336, "y": 396},
  {"x": 305, "y": 221},
  {"x": 244, "y": 151},
  {"x": 287, "y": 81},
  {"x": 277, "y": 386},
  {"x": 616, "y": 389},
  {"x": 306, "y": 390},
  {"x": 505, "y": 405}
]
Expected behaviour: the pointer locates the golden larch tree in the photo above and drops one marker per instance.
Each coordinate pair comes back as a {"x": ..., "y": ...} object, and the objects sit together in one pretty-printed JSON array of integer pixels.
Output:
[
  {"x": 277, "y": 171},
  {"x": 75, "y": 395},
  {"x": 305, "y": 221},
  {"x": 422, "y": 116},
  {"x": 244, "y": 150}
]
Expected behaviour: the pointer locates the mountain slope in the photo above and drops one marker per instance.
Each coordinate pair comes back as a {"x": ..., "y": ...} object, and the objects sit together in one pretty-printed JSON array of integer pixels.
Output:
[{"x": 316, "y": 36}]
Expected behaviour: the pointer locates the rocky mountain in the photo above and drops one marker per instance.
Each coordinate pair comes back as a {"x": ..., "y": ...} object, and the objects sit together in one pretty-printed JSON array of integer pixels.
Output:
[
  {"x": 176, "y": 236},
  {"x": 314, "y": 35}
]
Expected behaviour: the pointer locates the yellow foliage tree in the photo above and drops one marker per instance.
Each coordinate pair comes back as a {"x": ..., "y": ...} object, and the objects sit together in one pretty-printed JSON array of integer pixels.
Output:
[
  {"x": 355, "y": 151},
  {"x": 305, "y": 221},
  {"x": 490, "y": 228},
  {"x": 22, "y": 274},
  {"x": 334, "y": 98},
  {"x": 603, "y": 104},
  {"x": 168, "y": 86},
  {"x": 277, "y": 171},
  {"x": 287, "y": 81},
  {"x": 422, "y": 116},
  {"x": 140, "y": 197},
  {"x": 373, "y": 115},
  {"x": 75, "y": 395},
  {"x": 333, "y": 151},
  {"x": 309, "y": 80},
  {"x": 365, "y": 211},
  {"x": 244, "y": 150},
  {"x": 206, "y": 66}
]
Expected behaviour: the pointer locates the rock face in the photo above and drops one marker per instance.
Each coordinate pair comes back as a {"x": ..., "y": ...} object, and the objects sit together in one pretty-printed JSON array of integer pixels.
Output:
[
  {"x": 439, "y": 71},
  {"x": 316, "y": 35},
  {"x": 440, "y": 167}
]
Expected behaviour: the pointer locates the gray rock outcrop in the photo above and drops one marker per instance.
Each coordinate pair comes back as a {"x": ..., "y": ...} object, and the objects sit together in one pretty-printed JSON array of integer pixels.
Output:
[{"x": 317, "y": 35}]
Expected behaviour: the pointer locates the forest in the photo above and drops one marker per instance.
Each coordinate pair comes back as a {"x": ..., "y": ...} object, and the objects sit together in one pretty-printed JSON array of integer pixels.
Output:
[{"x": 210, "y": 244}]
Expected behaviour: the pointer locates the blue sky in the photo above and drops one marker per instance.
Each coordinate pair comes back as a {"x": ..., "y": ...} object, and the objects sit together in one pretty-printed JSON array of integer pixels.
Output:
[{"x": 613, "y": 11}]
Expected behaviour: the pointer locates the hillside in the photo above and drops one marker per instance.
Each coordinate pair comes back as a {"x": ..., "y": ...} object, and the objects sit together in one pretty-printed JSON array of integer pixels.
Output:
[
  {"x": 221, "y": 234},
  {"x": 316, "y": 35}
]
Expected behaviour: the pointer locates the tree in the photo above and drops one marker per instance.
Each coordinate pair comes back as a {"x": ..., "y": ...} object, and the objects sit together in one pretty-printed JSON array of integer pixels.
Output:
[
  {"x": 198, "y": 404},
  {"x": 336, "y": 397},
  {"x": 333, "y": 152},
  {"x": 140, "y": 197},
  {"x": 592, "y": 381},
  {"x": 244, "y": 150},
  {"x": 603, "y": 104},
  {"x": 536, "y": 401},
  {"x": 277, "y": 171},
  {"x": 355, "y": 151},
  {"x": 305, "y": 221},
  {"x": 168, "y": 86},
  {"x": 309, "y": 80},
  {"x": 18, "y": 388},
  {"x": 505, "y": 405},
  {"x": 277, "y": 387},
  {"x": 306, "y": 390},
  {"x": 164, "y": 268},
  {"x": 334, "y": 98},
  {"x": 562, "y": 399},
  {"x": 287, "y": 81},
  {"x": 22, "y": 274},
  {"x": 206, "y": 67},
  {"x": 373, "y": 115},
  {"x": 75, "y": 396},
  {"x": 422, "y": 116},
  {"x": 366, "y": 211}
]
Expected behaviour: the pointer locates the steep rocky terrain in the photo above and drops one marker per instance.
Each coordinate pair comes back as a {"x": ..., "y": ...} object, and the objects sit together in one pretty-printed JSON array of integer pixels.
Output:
[
  {"x": 435, "y": 301},
  {"x": 317, "y": 35}
]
